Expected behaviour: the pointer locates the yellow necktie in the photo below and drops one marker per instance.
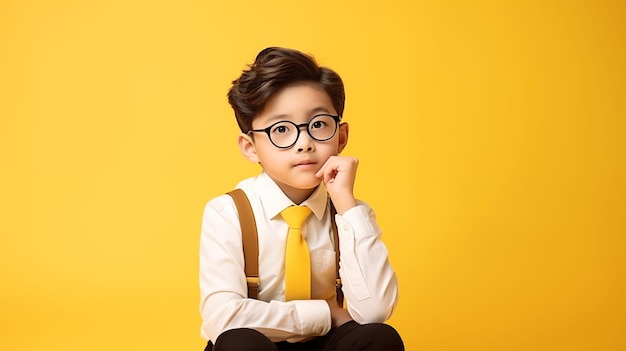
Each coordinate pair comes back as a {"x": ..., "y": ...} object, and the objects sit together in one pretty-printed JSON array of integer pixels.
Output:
[{"x": 297, "y": 261}]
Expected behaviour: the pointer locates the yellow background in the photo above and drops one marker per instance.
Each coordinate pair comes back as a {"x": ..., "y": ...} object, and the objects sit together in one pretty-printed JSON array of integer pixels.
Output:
[{"x": 491, "y": 136}]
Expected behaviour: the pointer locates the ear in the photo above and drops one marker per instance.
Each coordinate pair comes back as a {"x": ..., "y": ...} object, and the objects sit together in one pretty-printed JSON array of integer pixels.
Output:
[
  {"x": 246, "y": 145},
  {"x": 343, "y": 136}
]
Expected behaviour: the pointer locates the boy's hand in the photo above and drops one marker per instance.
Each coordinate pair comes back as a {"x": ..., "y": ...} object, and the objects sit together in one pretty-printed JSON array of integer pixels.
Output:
[
  {"x": 338, "y": 314},
  {"x": 338, "y": 175}
]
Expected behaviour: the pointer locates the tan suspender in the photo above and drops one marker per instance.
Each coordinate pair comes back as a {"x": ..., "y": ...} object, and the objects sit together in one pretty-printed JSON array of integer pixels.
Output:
[
  {"x": 249, "y": 241},
  {"x": 251, "y": 244},
  {"x": 333, "y": 224}
]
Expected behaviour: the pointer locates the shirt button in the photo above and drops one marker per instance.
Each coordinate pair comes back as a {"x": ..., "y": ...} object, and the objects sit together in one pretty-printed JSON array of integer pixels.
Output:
[{"x": 346, "y": 228}]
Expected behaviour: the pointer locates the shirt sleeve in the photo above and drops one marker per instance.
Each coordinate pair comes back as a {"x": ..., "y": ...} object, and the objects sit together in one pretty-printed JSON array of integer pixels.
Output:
[
  {"x": 370, "y": 285},
  {"x": 224, "y": 304}
]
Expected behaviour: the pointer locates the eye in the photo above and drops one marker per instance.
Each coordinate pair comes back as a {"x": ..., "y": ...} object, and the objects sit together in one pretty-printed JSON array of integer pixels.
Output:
[
  {"x": 322, "y": 122},
  {"x": 280, "y": 129},
  {"x": 318, "y": 124}
]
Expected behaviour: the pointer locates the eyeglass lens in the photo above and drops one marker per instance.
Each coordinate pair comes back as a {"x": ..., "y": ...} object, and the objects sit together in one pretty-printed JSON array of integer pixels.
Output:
[{"x": 320, "y": 128}]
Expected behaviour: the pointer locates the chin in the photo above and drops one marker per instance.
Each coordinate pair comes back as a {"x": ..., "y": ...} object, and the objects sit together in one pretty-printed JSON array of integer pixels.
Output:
[
  {"x": 300, "y": 182},
  {"x": 306, "y": 184}
]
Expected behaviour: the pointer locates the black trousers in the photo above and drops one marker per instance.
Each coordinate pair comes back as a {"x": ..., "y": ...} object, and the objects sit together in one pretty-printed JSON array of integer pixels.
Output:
[{"x": 350, "y": 336}]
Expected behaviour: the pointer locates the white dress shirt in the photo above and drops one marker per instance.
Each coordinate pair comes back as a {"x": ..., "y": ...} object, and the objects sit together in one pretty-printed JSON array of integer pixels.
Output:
[{"x": 369, "y": 283}]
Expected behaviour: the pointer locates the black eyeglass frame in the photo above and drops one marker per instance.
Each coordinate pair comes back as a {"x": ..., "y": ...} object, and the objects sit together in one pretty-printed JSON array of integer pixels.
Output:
[{"x": 267, "y": 130}]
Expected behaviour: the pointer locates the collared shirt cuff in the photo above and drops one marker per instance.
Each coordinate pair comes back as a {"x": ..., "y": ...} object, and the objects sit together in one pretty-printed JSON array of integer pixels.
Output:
[
  {"x": 314, "y": 317},
  {"x": 358, "y": 221}
]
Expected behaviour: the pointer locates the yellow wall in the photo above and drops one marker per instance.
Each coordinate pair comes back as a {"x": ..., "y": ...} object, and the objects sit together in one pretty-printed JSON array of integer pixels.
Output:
[{"x": 491, "y": 137}]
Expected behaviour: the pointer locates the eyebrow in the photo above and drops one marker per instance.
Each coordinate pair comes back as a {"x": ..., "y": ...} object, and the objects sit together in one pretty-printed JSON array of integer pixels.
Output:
[{"x": 312, "y": 112}]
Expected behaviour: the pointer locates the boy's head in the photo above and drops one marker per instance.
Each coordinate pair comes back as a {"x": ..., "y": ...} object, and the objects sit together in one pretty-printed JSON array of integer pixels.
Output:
[
  {"x": 273, "y": 69},
  {"x": 289, "y": 111}
]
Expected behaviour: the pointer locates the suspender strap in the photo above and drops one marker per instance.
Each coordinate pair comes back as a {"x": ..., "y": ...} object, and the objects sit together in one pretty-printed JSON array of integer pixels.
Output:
[
  {"x": 333, "y": 224},
  {"x": 249, "y": 239}
]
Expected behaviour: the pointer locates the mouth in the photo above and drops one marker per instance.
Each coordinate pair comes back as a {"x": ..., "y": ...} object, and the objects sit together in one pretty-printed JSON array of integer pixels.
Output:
[{"x": 306, "y": 163}]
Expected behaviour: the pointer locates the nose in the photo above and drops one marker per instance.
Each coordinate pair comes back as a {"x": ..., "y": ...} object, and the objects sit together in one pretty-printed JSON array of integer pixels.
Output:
[{"x": 304, "y": 143}]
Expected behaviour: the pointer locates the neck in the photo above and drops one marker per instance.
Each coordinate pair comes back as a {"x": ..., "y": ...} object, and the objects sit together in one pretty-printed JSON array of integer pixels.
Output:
[{"x": 294, "y": 194}]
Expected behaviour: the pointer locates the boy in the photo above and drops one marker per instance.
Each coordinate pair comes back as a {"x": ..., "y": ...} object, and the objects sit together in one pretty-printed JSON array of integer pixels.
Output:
[{"x": 289, "y": 111}]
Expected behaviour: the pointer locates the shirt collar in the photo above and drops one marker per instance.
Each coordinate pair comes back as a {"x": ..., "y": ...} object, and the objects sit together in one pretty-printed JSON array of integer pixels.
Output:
[{"x": 275, "y": 201}]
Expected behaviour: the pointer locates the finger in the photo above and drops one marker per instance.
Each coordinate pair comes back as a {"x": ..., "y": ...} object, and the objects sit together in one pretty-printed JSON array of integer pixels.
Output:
[
  {"x": 330, "y": 177},
  {"x": 326, "y": 174},
  {"x": 326, "y": 167},
  {"x": 331, "y": 170}
]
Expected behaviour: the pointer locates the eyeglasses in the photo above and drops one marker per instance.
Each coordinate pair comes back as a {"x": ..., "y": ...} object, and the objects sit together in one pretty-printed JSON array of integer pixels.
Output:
[{"x": 285, "y": 134}]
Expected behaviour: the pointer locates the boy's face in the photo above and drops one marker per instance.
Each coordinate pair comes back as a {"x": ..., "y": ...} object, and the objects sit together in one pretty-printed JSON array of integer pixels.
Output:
[{"x": 294, "y": 168}]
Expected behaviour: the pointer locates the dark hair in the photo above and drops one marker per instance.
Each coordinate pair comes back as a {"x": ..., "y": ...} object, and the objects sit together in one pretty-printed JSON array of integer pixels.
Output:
[{"x": 273, "y": 69}]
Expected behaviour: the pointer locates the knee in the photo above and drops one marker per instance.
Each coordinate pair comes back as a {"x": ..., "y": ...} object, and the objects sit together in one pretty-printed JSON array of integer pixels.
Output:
[
  {"x": 243, "y": 339},
  {"x": 385, "y": 337}
]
